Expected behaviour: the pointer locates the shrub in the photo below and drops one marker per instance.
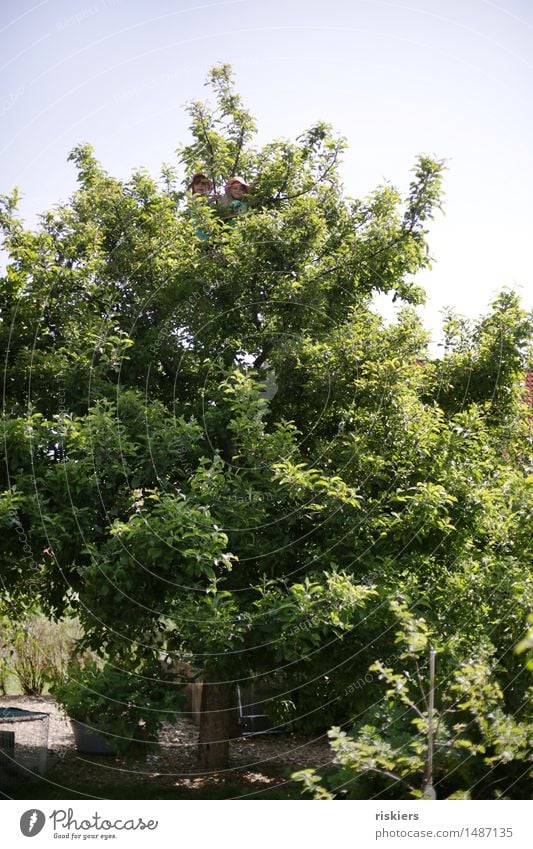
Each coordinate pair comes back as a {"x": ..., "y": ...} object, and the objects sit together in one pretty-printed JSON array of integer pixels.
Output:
[
  {"x": 36, "y": 651},
  {"x": 481, "y": 749},
  {"x": 131, "y": 716}
]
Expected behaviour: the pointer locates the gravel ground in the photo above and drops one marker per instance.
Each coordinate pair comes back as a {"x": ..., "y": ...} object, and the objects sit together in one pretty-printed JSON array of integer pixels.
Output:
[{"x": 258, "y": 762}]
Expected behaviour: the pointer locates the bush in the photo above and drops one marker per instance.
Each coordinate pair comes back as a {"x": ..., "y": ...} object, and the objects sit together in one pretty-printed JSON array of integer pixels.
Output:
[
  {"x": 131, "y": 716},
  {"x": 36, "y": 651},
  {"x": 481, "y": 746}
]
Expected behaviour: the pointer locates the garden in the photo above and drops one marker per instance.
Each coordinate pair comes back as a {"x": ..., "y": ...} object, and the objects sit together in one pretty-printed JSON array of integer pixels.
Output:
[{"x": 256, "y": 540}]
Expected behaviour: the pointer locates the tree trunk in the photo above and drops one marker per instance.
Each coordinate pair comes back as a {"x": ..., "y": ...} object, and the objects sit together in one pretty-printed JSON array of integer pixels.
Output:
[{"x": 216, "y": 725}]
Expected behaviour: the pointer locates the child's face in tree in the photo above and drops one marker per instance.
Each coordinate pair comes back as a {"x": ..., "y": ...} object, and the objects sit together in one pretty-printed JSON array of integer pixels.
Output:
[
  {"x": 201, "y": 187},
  {"x": 236, "y": 190}
]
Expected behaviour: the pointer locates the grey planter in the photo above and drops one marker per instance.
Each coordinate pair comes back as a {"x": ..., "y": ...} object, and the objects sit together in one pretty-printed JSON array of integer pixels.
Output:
[{"x": 89, "y": 742}]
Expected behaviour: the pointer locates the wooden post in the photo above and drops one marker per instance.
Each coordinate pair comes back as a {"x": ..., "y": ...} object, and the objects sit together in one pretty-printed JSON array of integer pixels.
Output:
[
  {"x": 429, "y": 790},
  {"x": 196, "y": 701}
]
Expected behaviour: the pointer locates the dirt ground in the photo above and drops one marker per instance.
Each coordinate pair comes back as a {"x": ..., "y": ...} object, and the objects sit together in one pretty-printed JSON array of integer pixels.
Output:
[{"x": 257, "y": 764}]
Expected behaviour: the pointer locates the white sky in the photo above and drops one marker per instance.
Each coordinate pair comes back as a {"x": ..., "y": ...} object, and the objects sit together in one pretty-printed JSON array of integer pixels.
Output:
[{"x": 450, "y": 79}]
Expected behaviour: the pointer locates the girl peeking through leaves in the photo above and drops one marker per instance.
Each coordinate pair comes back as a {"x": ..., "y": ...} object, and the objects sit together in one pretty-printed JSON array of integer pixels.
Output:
[
  {"x": 200, "y": 187},
  {"x": 234, "y": 198}
]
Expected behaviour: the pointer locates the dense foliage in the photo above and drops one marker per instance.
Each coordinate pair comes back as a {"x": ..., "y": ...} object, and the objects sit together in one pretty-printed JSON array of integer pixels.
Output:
[{"x": 218, "y": 450}]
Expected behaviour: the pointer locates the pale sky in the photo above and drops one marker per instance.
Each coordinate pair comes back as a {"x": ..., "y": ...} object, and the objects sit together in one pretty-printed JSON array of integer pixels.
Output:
[{"x": 449, "y": 78}]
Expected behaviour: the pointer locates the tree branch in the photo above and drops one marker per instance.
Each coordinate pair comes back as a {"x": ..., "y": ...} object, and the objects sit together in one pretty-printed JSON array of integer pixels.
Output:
[
  {"x": 315, "y": 183},
  {"x": 237, "y": 157}
]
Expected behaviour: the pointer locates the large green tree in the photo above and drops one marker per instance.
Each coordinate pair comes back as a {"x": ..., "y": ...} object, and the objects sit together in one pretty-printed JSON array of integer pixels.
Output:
[{"x": 217, "y": 449}]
